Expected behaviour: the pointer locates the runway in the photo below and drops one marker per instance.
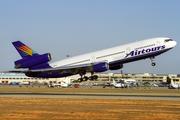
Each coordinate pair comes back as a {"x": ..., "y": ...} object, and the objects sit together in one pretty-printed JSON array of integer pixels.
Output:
[{"x": 120, "y": 96}]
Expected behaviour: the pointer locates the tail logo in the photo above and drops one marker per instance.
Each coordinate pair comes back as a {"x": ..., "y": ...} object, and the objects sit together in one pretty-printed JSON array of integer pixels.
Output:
[
  {"x": 26, "y": 49},
  {"x": 23, "y": 49}
]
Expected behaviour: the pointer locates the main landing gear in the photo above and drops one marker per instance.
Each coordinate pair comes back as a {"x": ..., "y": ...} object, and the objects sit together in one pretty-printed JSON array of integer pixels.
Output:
[
  {"x": 85, "y": 78},
  {"x": 93, "y": 77},
  {"x": 152, "y": 60}
]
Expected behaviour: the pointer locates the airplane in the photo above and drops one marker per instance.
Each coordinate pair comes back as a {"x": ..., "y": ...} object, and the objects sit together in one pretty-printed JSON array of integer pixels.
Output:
[
  {"x": 123, "y": 83},
  {"x": 127, "y": 81},
  {"x": 66, "y": 85},
  {"x": 60, "y": 84},
  {"x": 117, "y": 85},
  {"x": 120, "y": 85},
  {"x": 15, "y": 83},
  {"x": 154, "y": 85},
  {"x": 174, "y": 86},
  {"x": 94, "y": 62}
]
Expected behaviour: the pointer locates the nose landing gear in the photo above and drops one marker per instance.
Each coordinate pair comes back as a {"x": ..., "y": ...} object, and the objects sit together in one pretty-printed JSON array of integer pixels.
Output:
[
  {"x": 153, "y": 64},
  {"x": 152, "y": 60}
]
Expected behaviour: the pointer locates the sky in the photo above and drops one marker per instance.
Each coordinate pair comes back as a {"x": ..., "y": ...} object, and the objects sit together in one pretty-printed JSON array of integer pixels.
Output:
[{"x": 74, "y": 27}]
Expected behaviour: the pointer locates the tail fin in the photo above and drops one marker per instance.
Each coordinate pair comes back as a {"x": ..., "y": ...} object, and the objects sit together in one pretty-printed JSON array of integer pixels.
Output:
[
  {"x": 30, "y": 59},
  {"x": 23, "y": 49},
  {"x": 122, "y": 75}
]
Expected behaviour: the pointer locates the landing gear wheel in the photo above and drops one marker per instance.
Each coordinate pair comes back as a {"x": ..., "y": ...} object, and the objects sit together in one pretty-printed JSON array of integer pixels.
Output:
[
  {"x": 153, "y": 64},
  {"x": 80, "y": 79},
  {"x": 95, "y": 77},
  {"x": 85, "y": 78},
  {"x": 91, "y": 78}
]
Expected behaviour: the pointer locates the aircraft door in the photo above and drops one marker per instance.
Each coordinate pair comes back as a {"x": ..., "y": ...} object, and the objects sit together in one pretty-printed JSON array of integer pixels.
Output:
[
  {"x": 158, "y": 43},
  {"x": 128, "y": 50},
  {"x": 92, "y": 59}
]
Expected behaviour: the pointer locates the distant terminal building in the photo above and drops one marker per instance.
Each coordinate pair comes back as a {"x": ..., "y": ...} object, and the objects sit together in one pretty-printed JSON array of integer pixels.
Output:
[
  {"x": 146, "y": 77},
  {"x": 6, "y": 78},
  {"x": 175, "y": 78}
]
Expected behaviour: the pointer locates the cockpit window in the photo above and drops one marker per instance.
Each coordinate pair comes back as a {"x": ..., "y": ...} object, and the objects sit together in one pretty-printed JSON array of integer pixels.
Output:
[{"x": 167, "y": 40}]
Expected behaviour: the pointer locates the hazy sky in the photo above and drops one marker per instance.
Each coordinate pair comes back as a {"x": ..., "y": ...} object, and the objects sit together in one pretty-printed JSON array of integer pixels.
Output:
[{"x": 74, "y": 27}]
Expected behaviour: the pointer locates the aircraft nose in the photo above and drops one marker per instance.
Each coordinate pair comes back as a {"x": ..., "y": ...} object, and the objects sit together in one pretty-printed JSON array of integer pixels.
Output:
[{"x": 174, "y": 43}]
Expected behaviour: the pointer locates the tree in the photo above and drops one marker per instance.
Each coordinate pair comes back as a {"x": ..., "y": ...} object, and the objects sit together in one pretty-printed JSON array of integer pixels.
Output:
[
  {"x": 168, "y": 80},
  {"x": 146, "y": 83},
  {"x": 126, "y": 77},
  {"x": 75, "y": 81}
]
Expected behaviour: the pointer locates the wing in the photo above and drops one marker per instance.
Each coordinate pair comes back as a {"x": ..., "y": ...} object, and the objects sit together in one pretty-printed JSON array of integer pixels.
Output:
[{"x": 72, "y": 69}]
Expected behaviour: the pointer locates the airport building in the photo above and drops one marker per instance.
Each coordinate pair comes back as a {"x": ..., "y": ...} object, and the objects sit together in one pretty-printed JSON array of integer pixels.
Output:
[
  {"x": 146, "y": 77},
  {"x": 7, "y": 78},
  {"x": 175, "y": 78}
]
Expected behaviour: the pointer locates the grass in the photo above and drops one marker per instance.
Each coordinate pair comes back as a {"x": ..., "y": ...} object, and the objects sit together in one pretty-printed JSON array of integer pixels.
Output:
[
  {"x": 72, "y": 109},
  {"x": 55, "y": 108}
]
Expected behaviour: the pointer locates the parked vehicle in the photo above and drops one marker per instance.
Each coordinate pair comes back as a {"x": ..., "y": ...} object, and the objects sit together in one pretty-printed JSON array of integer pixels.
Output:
[
  {"x": 76, "y": 85},
  {"x": 15, "y": 83},
  {"x": 55, "y": 84},
  {"x": 160, "y": 85},
  {"x": 154, "y": 85}
]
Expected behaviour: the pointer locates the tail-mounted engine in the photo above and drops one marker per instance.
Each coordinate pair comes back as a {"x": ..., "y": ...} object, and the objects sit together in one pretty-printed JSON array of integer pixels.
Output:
[{"x": 32, "y": 61}]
